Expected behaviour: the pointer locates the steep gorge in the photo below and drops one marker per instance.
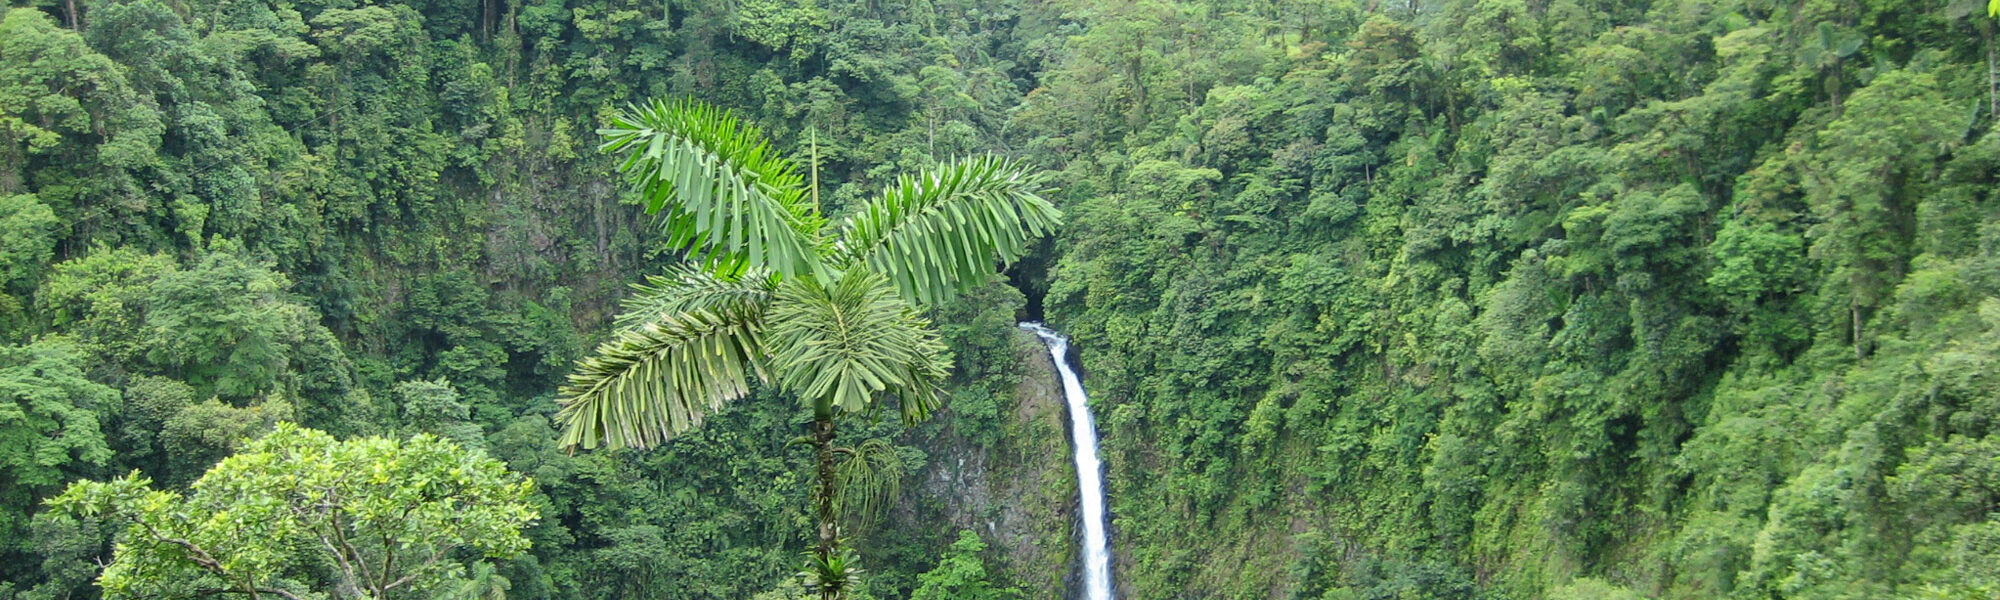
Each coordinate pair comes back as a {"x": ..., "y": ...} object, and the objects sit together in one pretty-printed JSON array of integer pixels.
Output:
[{"x": 1448, "y": 300}]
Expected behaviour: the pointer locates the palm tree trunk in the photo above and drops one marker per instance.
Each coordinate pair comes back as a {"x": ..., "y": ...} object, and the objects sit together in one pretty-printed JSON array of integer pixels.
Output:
[{"x": 829, "y": 530}]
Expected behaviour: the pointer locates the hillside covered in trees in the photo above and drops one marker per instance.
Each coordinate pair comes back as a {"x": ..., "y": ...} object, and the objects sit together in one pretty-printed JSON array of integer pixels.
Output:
[{"x": 1464, "y": 299}]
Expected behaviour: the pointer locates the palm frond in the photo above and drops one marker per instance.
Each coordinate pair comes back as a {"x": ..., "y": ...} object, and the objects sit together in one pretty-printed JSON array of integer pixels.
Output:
[
  {"x": 688, "y": 287},
  {"x": 722, "y": 194},
  {"x": 870, "y": 477},
  {"x": 656, "y": 380},
  {"x": 844, "y": 344},
  {"x": 940, "y": 232}
]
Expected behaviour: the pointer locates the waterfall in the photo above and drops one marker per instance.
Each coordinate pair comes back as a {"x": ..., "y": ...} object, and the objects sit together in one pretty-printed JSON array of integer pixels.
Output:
[{"x": 1089, "y": 471}]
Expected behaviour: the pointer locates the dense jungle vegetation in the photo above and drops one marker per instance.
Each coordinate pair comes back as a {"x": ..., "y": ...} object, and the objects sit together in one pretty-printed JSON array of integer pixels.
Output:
[{"x": 1452, "y": 299}]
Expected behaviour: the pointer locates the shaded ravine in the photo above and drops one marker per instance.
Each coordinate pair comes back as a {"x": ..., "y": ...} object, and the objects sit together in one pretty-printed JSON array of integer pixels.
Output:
[{"x": 1089, "y": 470}]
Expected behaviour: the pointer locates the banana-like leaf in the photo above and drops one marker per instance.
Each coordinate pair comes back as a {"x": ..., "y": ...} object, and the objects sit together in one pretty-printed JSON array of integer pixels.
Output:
[
  {"x": 722, "y": 194},
  {"x": 843, "y": 345},
  {"x": 656, "y": 380},
  {"x": 688, "y": 287},
  {"x": 939, "y": 232}
]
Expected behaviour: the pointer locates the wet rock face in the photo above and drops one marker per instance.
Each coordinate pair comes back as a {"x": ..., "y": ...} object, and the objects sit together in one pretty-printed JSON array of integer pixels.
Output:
[{"x": 1019, "y": 493}]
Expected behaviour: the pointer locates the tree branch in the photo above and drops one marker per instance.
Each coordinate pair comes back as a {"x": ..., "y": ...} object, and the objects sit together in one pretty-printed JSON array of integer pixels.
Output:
[
  {"x": 435, "y": 557},
  {"x": 253, "y": 591},
  {"x": 200, "y": 557}
]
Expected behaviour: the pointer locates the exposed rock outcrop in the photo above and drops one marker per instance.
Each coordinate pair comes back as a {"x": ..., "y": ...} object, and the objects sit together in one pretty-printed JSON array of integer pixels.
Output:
[{"x": 1019, "y": 493}]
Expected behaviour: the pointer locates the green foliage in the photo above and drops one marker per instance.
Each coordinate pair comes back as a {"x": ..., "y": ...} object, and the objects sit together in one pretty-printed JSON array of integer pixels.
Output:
[
  {"x": 243, "y": 212},
  {"x": 661, "y": 378},
  {"x": 1525, "y": 301},
  {"x": 726, "y": 195},
  {"x": 870, "y": 479},
  {"x": 961, "y": 573},
  {"x": 54, "y": 90},
  {"x": 938, "y": 233},
  {"x": 227, "y": 325},
  {"x": 1592, "y": 589},
  {"x": 1490, "y": 298},
  {"x": 49, "y": 425},
  {"x": 201, "y": 433},
  {"x": 434, "y": 407},
  {"x": 30, "y": 241},
  {"x": 810, "y": 311},
  {"x": 835, "y": 575},
  {"x": 389, "y": 517},
  {"x": 848, "y": 343}
]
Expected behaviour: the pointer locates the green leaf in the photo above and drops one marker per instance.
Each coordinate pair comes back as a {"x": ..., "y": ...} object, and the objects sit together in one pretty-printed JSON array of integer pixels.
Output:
[
  {"x": 656, "y": 380},
  {"x": 690, "y": 288},
  {"x": 722, "y": 194},
  {"x": 940, "y": 232},
  {"x": 843, "y": 345}
]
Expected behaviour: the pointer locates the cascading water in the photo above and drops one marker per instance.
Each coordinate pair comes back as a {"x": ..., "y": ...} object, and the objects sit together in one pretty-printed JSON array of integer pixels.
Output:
[{"x": 1089, "y": 471}]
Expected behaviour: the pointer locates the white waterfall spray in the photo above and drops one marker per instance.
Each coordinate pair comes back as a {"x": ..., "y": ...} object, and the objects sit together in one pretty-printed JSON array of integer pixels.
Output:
[{"x": 1089, "y": 471}]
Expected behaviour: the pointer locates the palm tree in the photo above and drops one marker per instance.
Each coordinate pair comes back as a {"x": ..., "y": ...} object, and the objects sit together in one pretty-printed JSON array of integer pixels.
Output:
[{"x": 828, "y": 313}]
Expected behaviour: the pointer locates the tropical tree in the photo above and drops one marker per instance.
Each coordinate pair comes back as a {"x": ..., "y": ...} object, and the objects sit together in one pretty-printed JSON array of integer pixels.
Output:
[
  {"x": 961, "y": 575},
  {"x": 827, "y": 312},
  {"x": 386, "y": 518}
]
